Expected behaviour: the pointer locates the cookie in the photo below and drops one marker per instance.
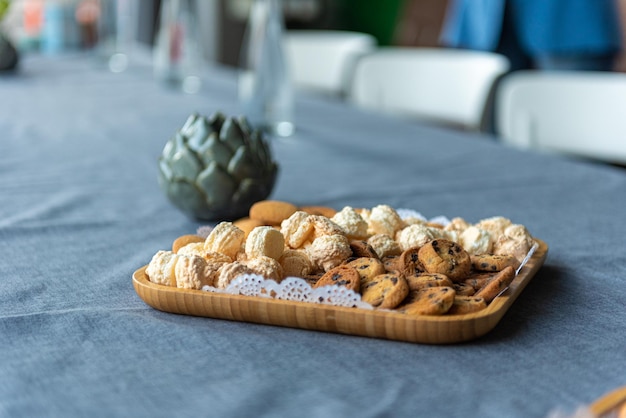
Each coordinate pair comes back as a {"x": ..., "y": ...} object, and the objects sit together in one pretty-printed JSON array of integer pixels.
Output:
[
  {"x": 353, "y": 224},
  {"x": 423, "y": 280},
  {"x": 367, "y": 267},
  {"x": 385, "y": 291},
  {"x": 342, "y": 276},
  {"x": 161, "y": 269},
  {"x": 478, "y": 280},
  {"x": 475, "y": 240},
  {"x": 496, "y": 285},
  {"x": 297, "y": 229},
  {"x": 491, "y": 262},
  {"x": 319, "y": 210},
  {"x": 229, "y": 272},
  {"x": 265, "y": 241},
  {"x": 428, "y": 301},
  {"x": 391, "y": 264},
  {"x": 408, "y": 262},
  {"x": 414, "y": 235},
  {"x": 360, "y": 248},
  {"x": 467, "y": 304},
  {"x": 329, "y": 251},
  {"x": 463, "y": 289},
  {"x": 383, "y": 219},
  {"x": 272, "y": 212},
  {"x": 384, "y": 245},
  {"x": 267, "y": 267},
  {"x": 226, "y": 239},
  {"x": 192, "y": 272},
  {"x": 312, "y": 278},
  {"x": 184, "y": 240},
  {"x": 445, "y": 257},
  {"x": 296, "y": 263},
  {"x": 247, "y": 224}
]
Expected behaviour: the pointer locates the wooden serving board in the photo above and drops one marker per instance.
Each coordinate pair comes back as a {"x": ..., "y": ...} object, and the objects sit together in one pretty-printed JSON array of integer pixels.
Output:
[
  {"x": 611, "y": 405},
  {"x": 390, "y": 325}
]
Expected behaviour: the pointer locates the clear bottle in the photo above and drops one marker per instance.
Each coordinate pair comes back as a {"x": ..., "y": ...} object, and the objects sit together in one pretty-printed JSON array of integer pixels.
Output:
[
  {"x": 265, "y": 91},
  {"x": 177, "y": 55}
]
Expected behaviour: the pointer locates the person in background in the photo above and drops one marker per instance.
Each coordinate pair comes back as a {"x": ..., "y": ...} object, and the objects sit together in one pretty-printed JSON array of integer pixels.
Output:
[{"x": 542, "y": 34}]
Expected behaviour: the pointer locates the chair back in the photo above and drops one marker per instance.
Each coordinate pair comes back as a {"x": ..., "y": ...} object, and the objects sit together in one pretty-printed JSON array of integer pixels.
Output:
[
  {"x": 580, "y": 113},
  {"x": 442, "y": 85},
  {"x": 323, "y": 60}
]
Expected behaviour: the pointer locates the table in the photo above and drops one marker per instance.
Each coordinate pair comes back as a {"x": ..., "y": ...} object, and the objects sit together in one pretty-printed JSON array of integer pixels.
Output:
[{"x": 80, "y": 211}]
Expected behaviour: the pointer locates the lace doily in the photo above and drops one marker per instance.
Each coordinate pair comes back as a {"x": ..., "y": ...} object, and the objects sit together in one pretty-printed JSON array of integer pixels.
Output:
[{"x": 292, "y": 289}]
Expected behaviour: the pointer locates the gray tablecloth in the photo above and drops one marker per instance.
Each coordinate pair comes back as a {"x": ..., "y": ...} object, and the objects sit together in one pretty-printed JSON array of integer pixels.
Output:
[{"x": 80, "y": 210}]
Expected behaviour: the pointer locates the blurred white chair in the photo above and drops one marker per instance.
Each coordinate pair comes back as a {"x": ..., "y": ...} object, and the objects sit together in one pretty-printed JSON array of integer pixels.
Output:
[
  {"x": 440, "y": 85},
  {"x": 322, "y": 60},
  {"x": 577, "y": 113}
]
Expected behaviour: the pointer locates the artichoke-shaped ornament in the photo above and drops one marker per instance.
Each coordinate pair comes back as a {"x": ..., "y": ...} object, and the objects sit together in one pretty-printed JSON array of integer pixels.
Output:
[{"x": 216, "y": 168}]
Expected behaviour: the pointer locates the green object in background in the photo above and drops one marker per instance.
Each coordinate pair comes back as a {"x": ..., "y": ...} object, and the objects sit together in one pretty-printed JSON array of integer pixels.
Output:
[
  {"x": 4, "y": 6},
  {"x": 215, "y": 168},
  {"x": 376, "y": 17}
]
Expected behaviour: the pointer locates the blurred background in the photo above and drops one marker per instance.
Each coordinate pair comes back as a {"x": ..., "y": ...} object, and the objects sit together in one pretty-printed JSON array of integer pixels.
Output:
[
  {"x": 55, "y": 25},
  {"x": 543, "y": 74}
]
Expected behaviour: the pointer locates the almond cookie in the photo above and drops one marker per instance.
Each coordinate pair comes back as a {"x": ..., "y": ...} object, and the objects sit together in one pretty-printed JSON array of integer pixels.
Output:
[
  {"x": 367, "y": 267},
  {"x": 467, "y": 304},
  {"x": 414, "y": 235},
  {"x": 341, "y": 276},
  {"x": 428, "y": 301},
  {"x": 384, "y": 219},
  {"x": 161, "y": 269},
  {"x": 361, "y": 248},
  {"x": 329, "y": 251},
  {"x": 353, "y": 224},
  {"x": 192, "y": 248},
  {"x": 267, "y": 267},
  {"x": 492, "y": 262},
  {"x": 476, "y": 241},
  {"x": 184, "y": 240},
  {"x": 424, "y": 280},
  {"x": 385, "y": 291},
  {"x": 265, "y": 241},
  {"x": 494, "y": 225},
  {"x": 192, "y": 272},
  {"x": 515, "y": 241},
  {"x": 296, "y": 263},
  {"x": 324, "y": 226},
  {"x": 457, "y": 224},
  {"x": 408, "y": 262},
  {"x": 384, "y": 245},
  {"x": 229, "y": 272},
  {"x": 496, "y": 285},
  {"x": 272, "y": 212},
  {"x": 297, "y": 229},
  {"x": 445, "y": 257},
  {"x": 225, "y": 238}
]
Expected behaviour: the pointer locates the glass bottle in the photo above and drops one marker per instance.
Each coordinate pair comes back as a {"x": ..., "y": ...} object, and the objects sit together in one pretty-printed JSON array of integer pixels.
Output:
[
  {"x": 265, "y": 91},
  {"x": 177, "y": 55}
]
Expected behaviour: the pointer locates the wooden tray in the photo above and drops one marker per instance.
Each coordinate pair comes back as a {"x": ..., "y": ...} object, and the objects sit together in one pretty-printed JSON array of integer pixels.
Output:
[
  {"x": 610, "y": 405},
  {"x": 352, "y": 321}
]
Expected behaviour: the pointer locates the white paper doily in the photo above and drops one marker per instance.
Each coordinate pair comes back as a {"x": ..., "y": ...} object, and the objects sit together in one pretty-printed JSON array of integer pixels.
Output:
[{"x": 292, "y": 289}]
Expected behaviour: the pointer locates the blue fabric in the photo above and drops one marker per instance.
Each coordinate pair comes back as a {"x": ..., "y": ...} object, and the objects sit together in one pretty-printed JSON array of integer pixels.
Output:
[
  {"x": 543, "y": 26},
  {"x": 80, "y": 211}
]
